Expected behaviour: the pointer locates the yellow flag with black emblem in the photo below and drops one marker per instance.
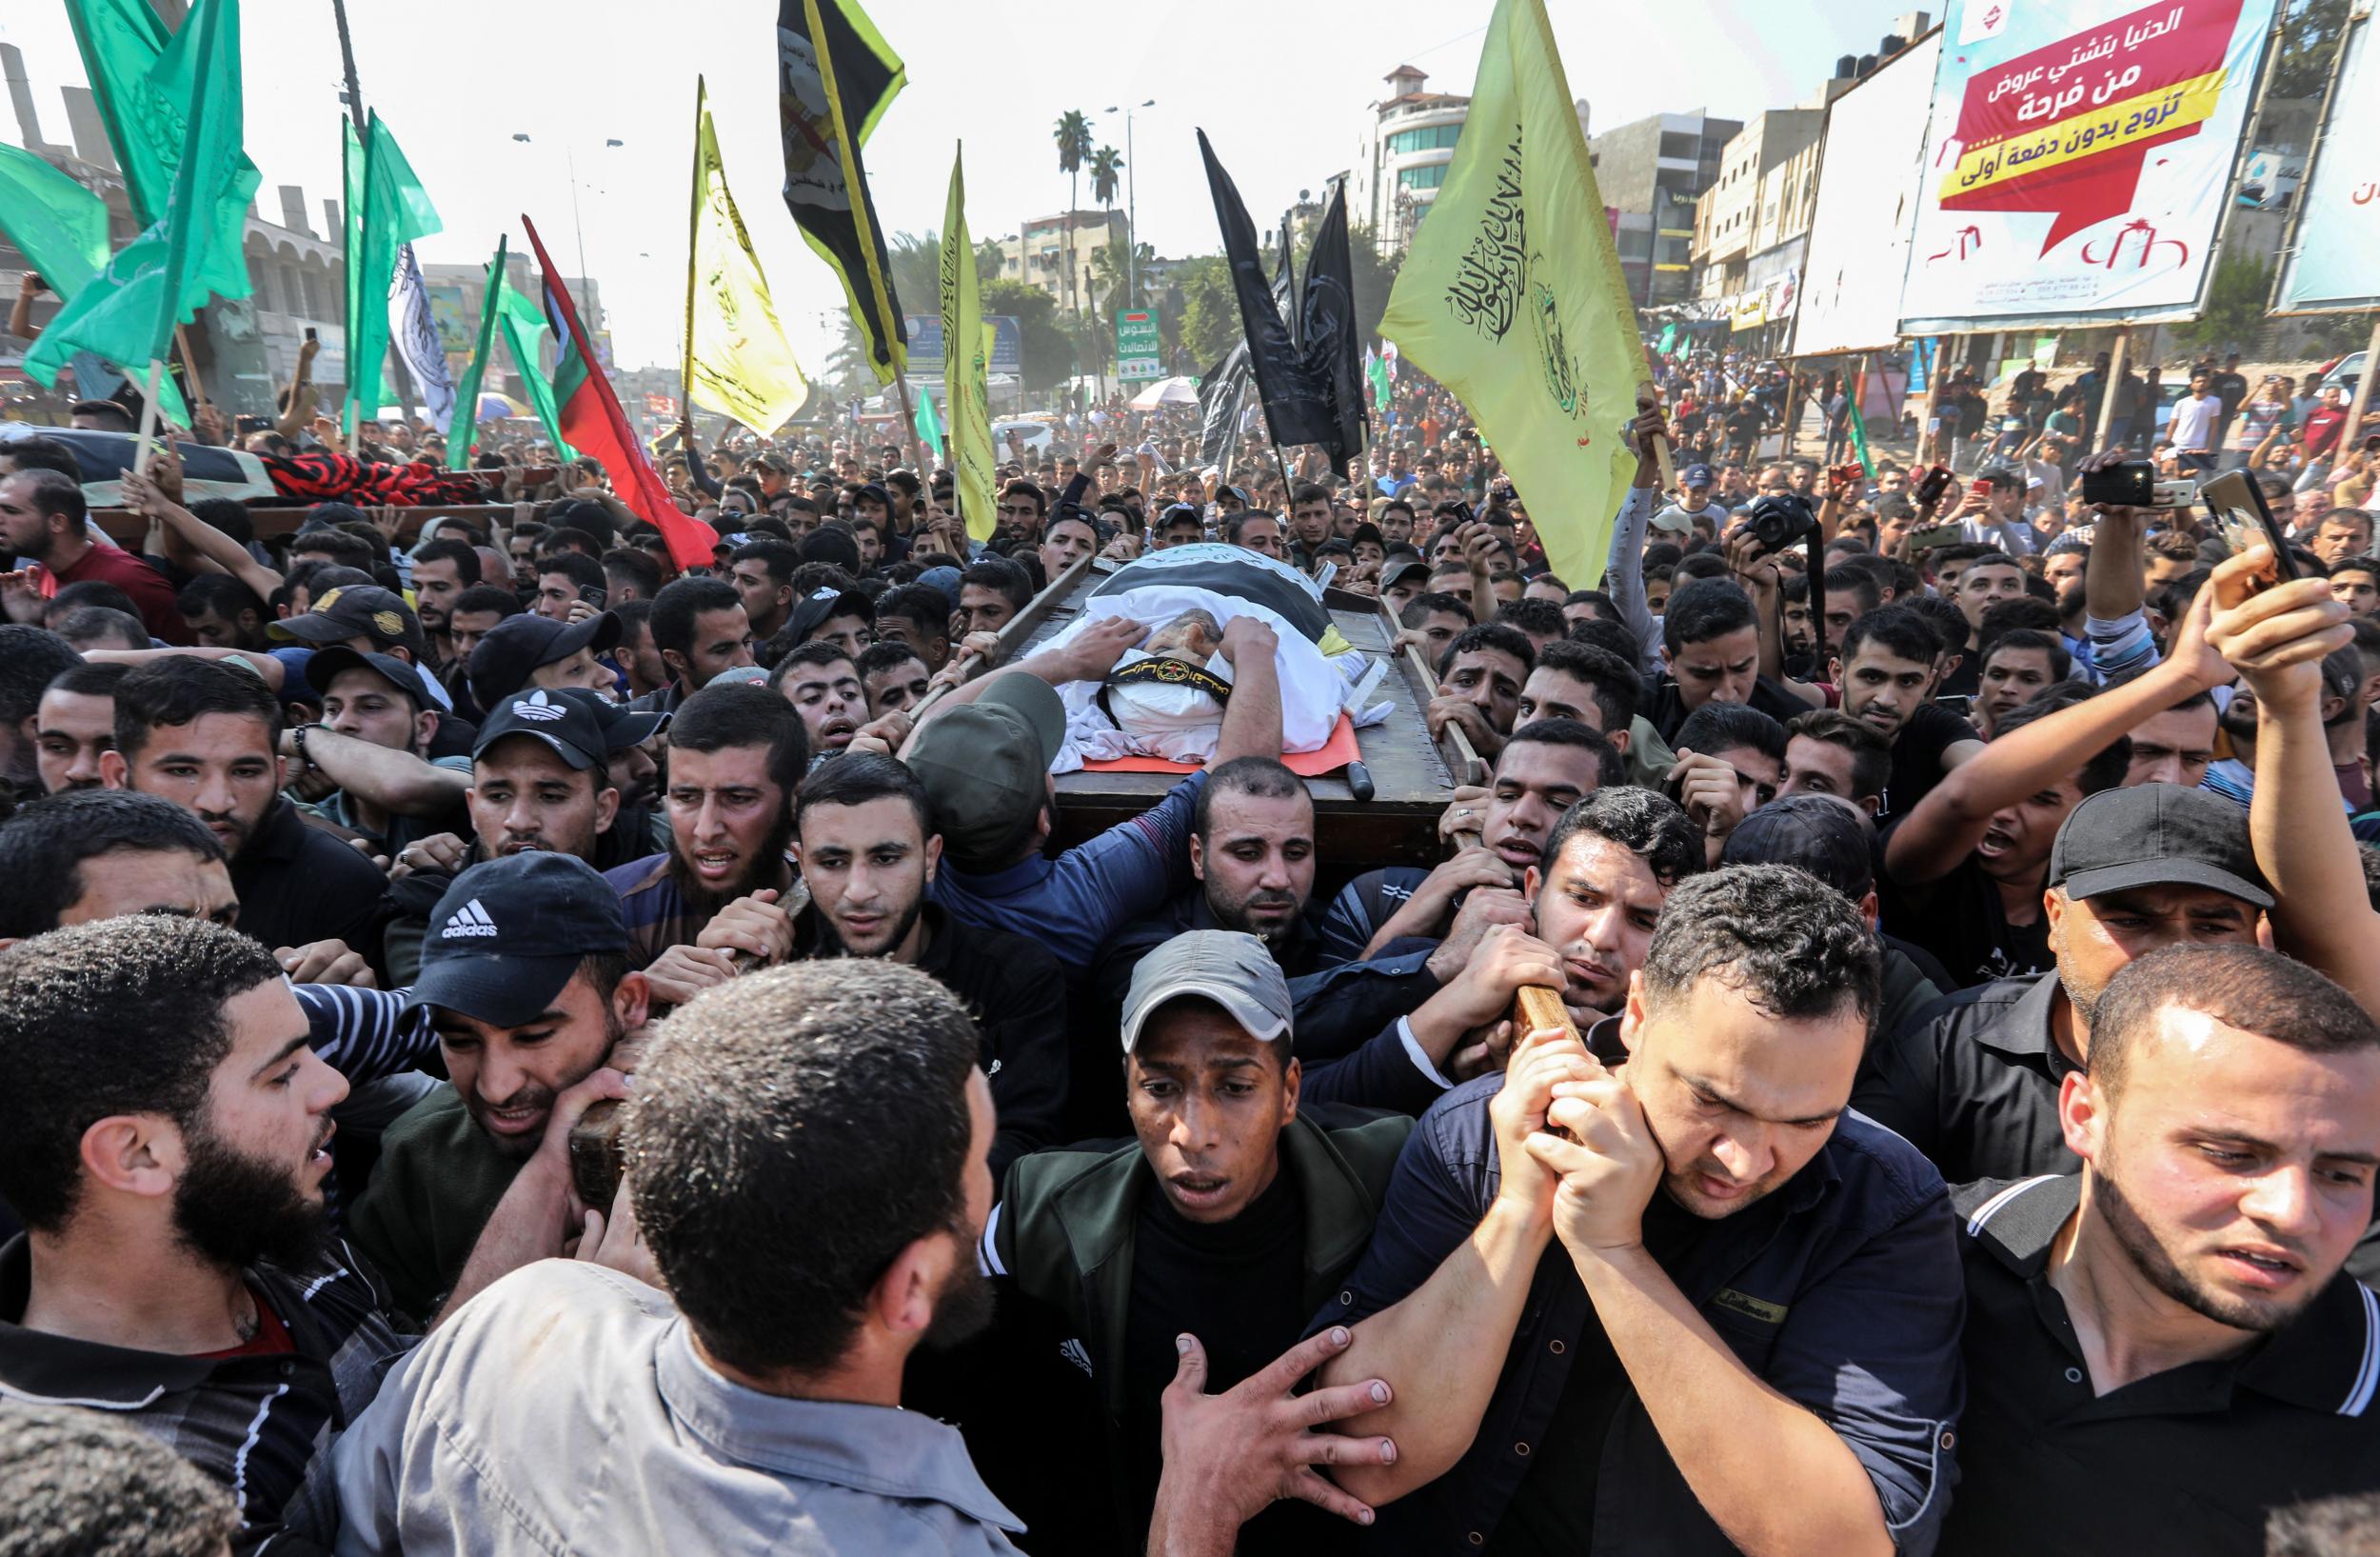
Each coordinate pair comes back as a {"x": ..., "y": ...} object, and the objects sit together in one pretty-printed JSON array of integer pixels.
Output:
[
  {"x": 737, "y": 359},
  {"x": 1511, "y": 296},
  {"x": 967, "y": 359}
]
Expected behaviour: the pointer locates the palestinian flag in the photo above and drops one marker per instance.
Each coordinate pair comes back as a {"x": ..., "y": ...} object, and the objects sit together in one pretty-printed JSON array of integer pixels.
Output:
[{"x": 593, "y": 424}]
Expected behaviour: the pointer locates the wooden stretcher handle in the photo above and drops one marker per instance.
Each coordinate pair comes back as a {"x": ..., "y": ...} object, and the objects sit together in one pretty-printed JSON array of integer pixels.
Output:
[
  {"x": 1537, "y": 1007},
  {"x": 1470, "y": 769}
]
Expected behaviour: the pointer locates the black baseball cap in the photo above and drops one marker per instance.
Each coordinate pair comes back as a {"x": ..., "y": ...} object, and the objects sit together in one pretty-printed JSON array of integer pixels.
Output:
[
  {"x": 355, "y": 611},
  {"x": 2157, "y": 835},
  {"x": 508, "y": 651},
  {"x": 622, "y": 727},
  {"x": 563, "y": 725},
  {"x": 509, "y": 933},
  {"x": 1821, "y": 834},
  {"x": 324, "y": 666},
  {"x": 817, "y": 608},
  {"x": 1396, "y": 573}
]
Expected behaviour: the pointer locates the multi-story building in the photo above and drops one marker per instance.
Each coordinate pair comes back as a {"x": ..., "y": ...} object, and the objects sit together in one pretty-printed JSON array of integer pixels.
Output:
[
  {"x": 1402, "y": 150},
  {"x": 1054, "y": 253},
  {"x": 1651, "y": 173},
  {"x": 1738, "y": 216}
]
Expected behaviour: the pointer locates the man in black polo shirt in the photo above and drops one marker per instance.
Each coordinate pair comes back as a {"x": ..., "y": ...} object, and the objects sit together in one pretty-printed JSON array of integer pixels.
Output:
[
  {"x": 1975, "y": 1087},
  {"x": 204, "y": 734},
  {"x": 2162, "y": 1348},
  {"x": 165, "y": 1134},
  {"x": 1748, "y": 1338},
  {"x": 1236, "y": 1212}
]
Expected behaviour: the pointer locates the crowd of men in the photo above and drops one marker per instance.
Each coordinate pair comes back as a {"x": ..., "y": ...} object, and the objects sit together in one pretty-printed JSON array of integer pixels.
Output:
[{"x": 508, "y": 1046}]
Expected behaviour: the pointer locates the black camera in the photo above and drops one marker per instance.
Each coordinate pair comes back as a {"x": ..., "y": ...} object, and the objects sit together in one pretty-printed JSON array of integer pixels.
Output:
[{"x": 1780, "y": 519}]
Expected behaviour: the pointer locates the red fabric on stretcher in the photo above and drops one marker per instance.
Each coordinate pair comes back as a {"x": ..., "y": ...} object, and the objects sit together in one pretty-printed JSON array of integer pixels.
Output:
[{"x": 1335, "y": 753}]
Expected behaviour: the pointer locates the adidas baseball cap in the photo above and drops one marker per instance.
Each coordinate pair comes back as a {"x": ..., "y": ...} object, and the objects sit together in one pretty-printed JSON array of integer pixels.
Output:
[
  {"x": 509, "y": 935},
  {"x": 564, "y": 726},
  {"x": 1228, "y": 966}
]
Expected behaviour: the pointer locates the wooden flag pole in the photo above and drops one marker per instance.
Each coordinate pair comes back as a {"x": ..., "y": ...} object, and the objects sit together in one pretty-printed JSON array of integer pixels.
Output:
[
  {"x": 693, "y": 229},
  {"x": 149, "y": 418}
]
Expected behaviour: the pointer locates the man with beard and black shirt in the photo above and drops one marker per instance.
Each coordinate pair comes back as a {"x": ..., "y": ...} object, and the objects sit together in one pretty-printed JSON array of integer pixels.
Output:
[
  {"x": 165, "y": 1134},
  {"x": 736, "y": 754},
  {"x": 866, "y": 849},
  {"x": 524, "y": 978},
  {"x": 204, "y": 734}
]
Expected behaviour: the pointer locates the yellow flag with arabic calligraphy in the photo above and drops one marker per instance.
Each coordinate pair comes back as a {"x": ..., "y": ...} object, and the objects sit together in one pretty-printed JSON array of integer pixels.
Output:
[
  {"x": 967, "y": 363},
  {"x": 741, "y": 366},
  {"x": 1512, "y": 295}
]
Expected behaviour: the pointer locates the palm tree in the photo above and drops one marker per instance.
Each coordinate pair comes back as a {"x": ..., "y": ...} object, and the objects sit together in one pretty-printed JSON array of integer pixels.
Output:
[
  {"x": 1106, "y": 164},
  {"x": 1072, "y": 135}
]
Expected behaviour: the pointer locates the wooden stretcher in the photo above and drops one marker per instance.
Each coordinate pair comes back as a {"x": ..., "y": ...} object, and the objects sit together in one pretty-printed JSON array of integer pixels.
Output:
[{"x": 1410, "y": 775}]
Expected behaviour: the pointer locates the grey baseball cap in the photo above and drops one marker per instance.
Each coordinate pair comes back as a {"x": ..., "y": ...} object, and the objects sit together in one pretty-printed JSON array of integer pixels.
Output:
[{"x": 1227, "y": 967}]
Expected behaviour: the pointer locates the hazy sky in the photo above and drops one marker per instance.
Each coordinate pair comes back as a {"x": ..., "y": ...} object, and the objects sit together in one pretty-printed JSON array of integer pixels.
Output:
[{"x": 1279, "y": 87}]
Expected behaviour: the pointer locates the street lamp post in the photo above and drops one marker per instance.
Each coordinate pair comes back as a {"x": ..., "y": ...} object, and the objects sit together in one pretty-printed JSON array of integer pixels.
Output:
[
  {"x": 1132, "y": 233},
  {"x": 577, "y": 227}
]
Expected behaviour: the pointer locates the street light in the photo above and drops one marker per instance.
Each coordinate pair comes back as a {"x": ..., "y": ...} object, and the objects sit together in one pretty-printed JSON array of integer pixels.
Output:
[
  {"x": 1132, "y": 234},
  {"x": 577, "y": 227}
]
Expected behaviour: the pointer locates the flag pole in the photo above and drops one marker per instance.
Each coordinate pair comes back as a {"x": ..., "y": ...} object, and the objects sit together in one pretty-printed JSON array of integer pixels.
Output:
[
  {"x": 149, "y": 418},
  {"x": 693, "y": 228}
]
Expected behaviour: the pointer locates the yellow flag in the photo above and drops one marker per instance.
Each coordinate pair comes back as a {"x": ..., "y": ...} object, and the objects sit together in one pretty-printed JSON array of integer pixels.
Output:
[
  {"x": 1512, "y": 295},
  {"x": 739, "y": 363},
  {"x": 966, "y": 358}
]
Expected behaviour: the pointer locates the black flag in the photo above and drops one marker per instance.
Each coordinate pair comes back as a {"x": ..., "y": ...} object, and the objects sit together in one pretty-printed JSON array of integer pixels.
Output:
[
  {"x": 1223, "y": 389},
  {"x": 836, "y": 75},
  {"x": 1297, "y": 400},
  {"x": 1326, "y": 329}
]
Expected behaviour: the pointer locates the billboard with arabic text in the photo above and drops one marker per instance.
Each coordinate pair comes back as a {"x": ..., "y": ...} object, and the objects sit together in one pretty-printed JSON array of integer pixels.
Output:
[
  {"x": 2329, "y": 266},
  {"x": 2078, "y": 160}
]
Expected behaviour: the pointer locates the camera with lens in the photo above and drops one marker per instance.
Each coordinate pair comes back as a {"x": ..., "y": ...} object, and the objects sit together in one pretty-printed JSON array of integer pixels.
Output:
[{"x": 1780, "y": 519}]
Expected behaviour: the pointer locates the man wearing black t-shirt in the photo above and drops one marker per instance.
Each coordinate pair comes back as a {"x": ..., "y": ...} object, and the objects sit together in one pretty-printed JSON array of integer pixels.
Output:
[
  {"x": 1886, "y": 672},
  {"x": 1233, "y": 1218},
  {"x": 1711, "y": 636}
]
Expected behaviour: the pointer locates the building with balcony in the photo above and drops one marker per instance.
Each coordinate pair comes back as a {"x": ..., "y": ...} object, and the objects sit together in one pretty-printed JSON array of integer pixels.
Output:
[
  {"x": 1049, "y": 251},
  {"x": 1402, "y": 150},
  {"x": 1651, "y": 174}
]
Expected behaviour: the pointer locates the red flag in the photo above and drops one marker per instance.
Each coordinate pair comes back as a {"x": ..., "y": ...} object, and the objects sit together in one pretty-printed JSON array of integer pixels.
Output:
[{"x": 592, "y": 423}]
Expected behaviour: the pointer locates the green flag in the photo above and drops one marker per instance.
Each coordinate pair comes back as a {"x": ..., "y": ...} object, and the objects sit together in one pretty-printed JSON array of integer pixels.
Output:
[
  {"x": 523, "y": 329},
  {"x": 60, "y": 227},
  {"x": 927, "y": 420},
  {"x": 142, "y": 78},
  {"x": 126, "y": 313},
  {"x": 466, "y": 419},
  {"x": 1376, "y": 370},
  {"x": 396, "y": 212},
  {"x": 1512, "y": 295},
  {"x": 1859, "y": 439}
]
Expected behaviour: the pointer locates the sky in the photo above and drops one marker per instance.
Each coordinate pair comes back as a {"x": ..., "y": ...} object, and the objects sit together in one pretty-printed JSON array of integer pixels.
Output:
[{"x": 1281, "y": 89}]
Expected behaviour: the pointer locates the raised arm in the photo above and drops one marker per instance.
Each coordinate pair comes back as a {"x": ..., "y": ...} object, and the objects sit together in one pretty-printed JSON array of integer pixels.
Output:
[
  {"x": 1623, "y": 566},
  {"x": 1955, "y": 813},
  {"x": 2321, "y": 914},
  {"x": 397, "y": 781},
  {"x": 300, "y": 406},
  {"x": 195, "y": 536}
]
